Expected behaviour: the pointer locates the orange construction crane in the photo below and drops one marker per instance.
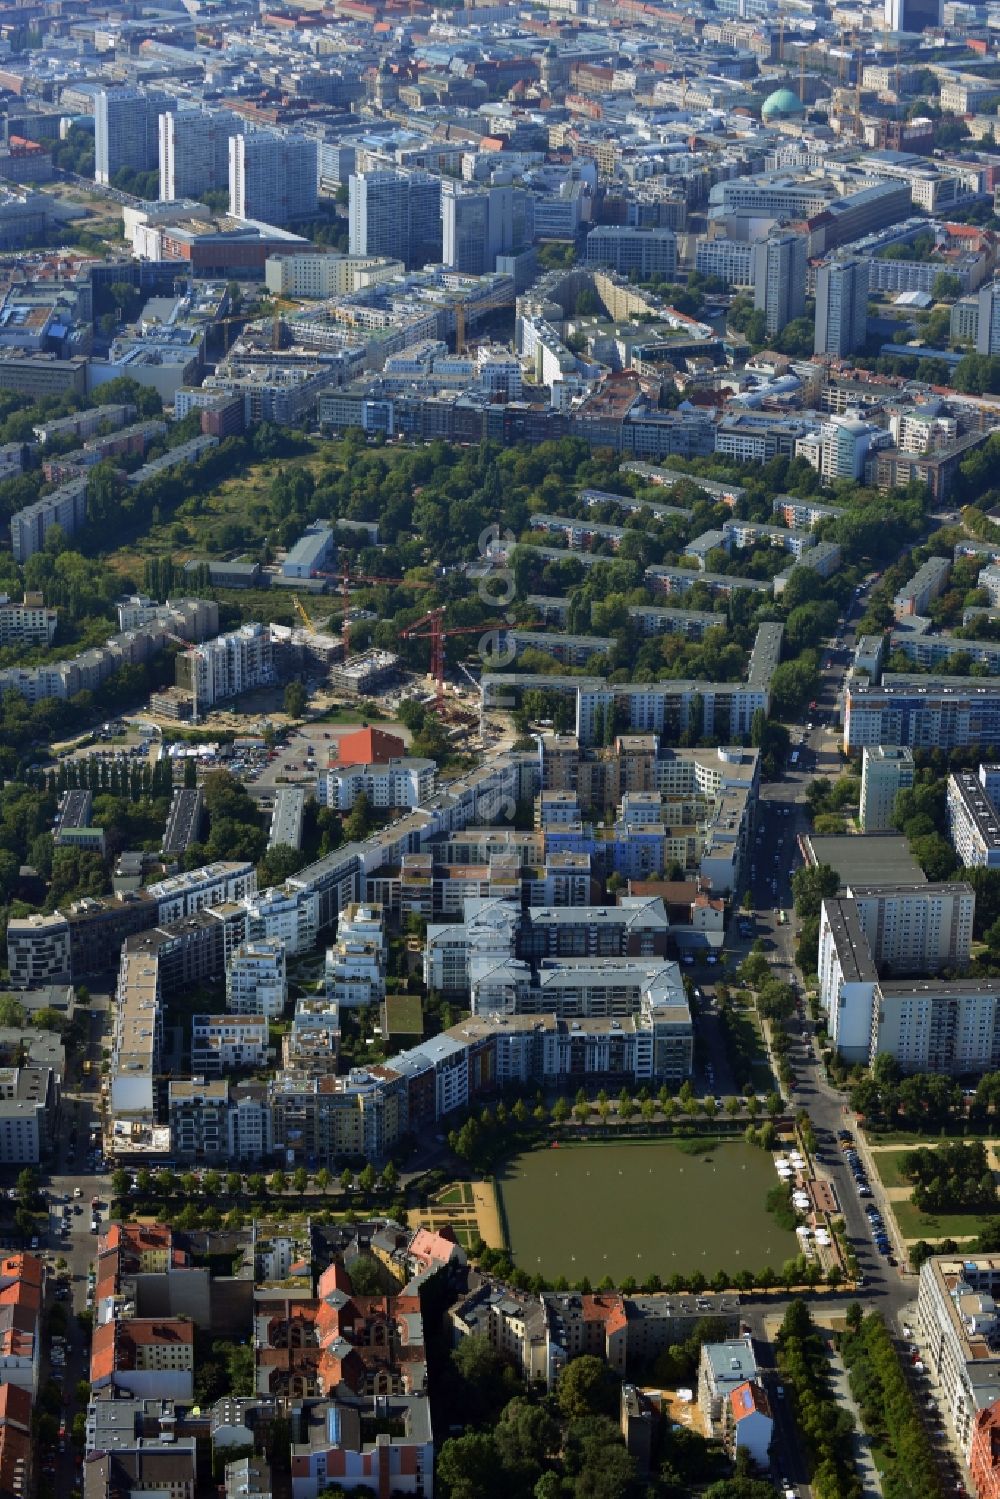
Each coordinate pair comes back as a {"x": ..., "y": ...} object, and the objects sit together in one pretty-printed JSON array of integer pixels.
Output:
[
  {"x": 345, "y": 580},
  {"x": 431, "y": 627}
]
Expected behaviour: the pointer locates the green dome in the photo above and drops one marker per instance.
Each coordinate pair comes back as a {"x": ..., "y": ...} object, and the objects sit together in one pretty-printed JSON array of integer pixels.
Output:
[{"x": 781, "y": 103}]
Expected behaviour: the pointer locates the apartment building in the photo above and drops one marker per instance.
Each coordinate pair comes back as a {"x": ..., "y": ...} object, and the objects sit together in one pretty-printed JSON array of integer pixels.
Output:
[
  {"x": 221, "y": 1044},
  {"x": 922, "y": 712},
  {"x": 65, "y": 507},
  {"x": 28, "y": 623},
  {"x": 198, "y": 1116},
  {"x": 984, "y": 1452},
  {"x": 194, "y": 151},
  {"x": 354, "y": 972},
  {"x": 22, "y": 1295},
  {"x": 29, "y": 1113},
  {"x": 729, "y": 259},
  {"x": 886, "y": 770},
  {"x": 960, "y": 1336},
  {"x": 723, "y": 1368},
  {"x": 935, "y": 651},
  {"x": 136, "y": 1040},
  {"x": 228, "y": 665},
  {"x": 926, "y": 584},
  {"x": 540, "y": 1334},
  {"x": 256, "y": 981},
  {"x": 746, "y": 533},
  {"x": 144, "y": 1356},
  {"x": 403, "y": 782},
  {"x": 918, "y": 930},
  {"x": 973, "y": 817},
  {"x": 803, "y": 514}
]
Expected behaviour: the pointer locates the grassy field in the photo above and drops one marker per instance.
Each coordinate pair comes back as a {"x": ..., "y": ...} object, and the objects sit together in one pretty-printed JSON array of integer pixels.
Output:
[
  {"x": 636, "y": 1207},
  {"x": 887, "y": 1166},
  {"x": 913, "y": 1224}
]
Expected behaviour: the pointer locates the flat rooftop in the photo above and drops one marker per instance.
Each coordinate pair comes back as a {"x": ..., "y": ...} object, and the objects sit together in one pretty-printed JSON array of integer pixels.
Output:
[{"x": 867, "y": 859}]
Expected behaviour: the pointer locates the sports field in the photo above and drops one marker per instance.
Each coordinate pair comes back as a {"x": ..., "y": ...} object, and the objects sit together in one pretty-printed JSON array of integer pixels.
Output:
[{"x": 635, "y": 1207}]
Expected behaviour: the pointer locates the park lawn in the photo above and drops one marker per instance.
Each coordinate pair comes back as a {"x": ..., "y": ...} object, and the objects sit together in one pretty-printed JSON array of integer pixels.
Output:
[
  {"x": 887, "y": 1166},
  {"x": 632, "y": 1207},
  {"x": 451, "y": 1197},
  {"x": 913, "y": 1224}
]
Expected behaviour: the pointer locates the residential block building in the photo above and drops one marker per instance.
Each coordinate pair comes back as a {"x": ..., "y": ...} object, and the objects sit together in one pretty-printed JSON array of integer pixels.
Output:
[
  {"x": 256, "y": 983},
  {"x": 973, "y": 816},
  {"x": 922, "y": 712},
  {"x": 957, "y": 1326},
  {"x": 886, "y": 770}
]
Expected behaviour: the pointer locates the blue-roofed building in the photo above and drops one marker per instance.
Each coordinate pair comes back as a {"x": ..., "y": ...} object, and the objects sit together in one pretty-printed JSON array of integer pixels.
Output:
[{"x": 312, "y": 553}]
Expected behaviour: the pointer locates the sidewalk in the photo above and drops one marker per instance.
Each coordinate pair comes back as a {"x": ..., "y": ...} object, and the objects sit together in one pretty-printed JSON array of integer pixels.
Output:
[{"x": 871, "y": 1482}]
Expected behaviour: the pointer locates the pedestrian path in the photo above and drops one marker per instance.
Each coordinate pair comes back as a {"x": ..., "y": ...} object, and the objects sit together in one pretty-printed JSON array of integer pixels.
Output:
[{"x": 871, "y": 1482}]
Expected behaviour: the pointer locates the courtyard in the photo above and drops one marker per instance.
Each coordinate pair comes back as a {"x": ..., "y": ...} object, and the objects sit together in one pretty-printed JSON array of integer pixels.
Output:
[{"x": 641, "y": 1207}]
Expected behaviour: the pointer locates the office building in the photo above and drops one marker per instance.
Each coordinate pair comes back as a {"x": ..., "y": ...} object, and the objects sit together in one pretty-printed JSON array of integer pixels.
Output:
[
  {"x": 478, "y": 226},
  {"x": 646, "y": 252},
  {"x": 397, "y": 214},
  {"x": 886, "y": 770},
  {"x": 194, "y": 151},
  {"x": 912, "y": 15},
  {"x": 126, "y": 132},
  {"x": 841, "y": 306},
  {"x": 729, "y": 259},
  {"x": 779, "y": 279},
  {"x": 272, "y": 178}
]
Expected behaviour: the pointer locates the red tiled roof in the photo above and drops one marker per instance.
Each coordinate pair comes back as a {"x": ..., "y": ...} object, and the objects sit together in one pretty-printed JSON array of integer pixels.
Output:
[{"x": 368, "y": 747}]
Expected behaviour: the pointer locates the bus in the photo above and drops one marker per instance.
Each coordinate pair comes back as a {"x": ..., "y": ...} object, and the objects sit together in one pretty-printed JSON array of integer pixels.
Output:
[{"x": 782, "y": 918}]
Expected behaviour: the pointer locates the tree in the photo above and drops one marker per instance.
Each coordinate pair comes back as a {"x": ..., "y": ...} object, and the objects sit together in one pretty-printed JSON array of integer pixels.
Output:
[
  {"x": 587, "y": 1387},
  {"x": 526, "y": 1436},
  {"x": 366, "y": 1178},
  {"x": 11, "y": 1012},
  {"x": 810, "y": 886},
  {"x": 469, "y": 1466},
  {"x": 295, "y": 699},
  {"x": 277, "y": 1184},
  {"x": 365, "y": 1277},
  {"x": 358, "y": 822}
]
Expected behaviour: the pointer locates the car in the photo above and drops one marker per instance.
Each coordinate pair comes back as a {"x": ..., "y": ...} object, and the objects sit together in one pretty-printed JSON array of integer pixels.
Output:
[
  {"x": 779, "y": 1390},
  {"x": 711, "y": 958}
]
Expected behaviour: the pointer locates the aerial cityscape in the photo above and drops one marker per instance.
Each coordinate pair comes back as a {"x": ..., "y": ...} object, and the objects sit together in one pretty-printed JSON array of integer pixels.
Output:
[{"x": 500, "y": 749}]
